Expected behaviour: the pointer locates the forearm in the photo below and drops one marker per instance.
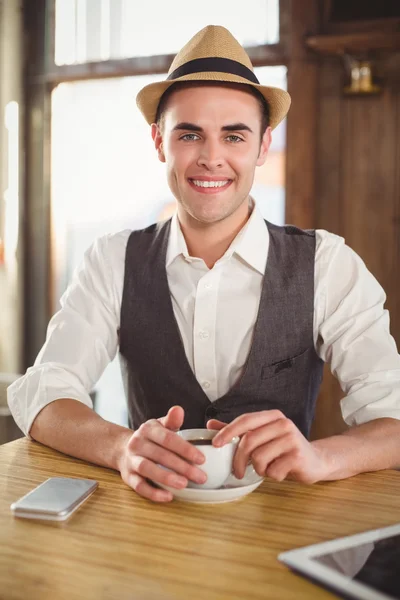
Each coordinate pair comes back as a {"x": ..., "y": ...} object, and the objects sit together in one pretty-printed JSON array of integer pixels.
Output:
[
  {"x": 372, "y": 446},
  {"x": 74, "y": 429}
]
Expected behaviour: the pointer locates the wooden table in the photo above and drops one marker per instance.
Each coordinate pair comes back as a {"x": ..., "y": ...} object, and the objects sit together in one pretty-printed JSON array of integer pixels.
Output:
[{"x": 119, "y": 546}]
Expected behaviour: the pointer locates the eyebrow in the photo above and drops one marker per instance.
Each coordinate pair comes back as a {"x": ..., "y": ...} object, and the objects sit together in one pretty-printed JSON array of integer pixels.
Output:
[{"x": 194, "y": 127}]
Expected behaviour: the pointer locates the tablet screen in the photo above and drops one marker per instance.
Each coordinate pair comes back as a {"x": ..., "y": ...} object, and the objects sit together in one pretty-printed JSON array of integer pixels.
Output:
[
  {"x": 376, "y": 564},
  {"x": 363, "y": 566}
]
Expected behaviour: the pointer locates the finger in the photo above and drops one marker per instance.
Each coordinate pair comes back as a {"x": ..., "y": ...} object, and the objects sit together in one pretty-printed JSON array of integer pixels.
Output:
[
  {"x": 171, "y": 461},
  {"x": 280, "y": 468},
  {"x": 294, "y": 465},
  {"x": 146, "y": 468},
  {"x": 263, "y": 456},
  {"x": 144, "y": 489},
  {"x": 254, "y": 439},
  {"x": 245, "y": 423},
  {"x": 242, "y": 456},
  {"x": 174, "y": 418},
  {"x": 215, "y": 424},
  {"x": 170, "y": 440}
]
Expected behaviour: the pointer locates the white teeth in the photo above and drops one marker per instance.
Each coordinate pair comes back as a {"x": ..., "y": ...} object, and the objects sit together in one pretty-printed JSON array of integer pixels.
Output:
[{"x": 207, "y": 184}]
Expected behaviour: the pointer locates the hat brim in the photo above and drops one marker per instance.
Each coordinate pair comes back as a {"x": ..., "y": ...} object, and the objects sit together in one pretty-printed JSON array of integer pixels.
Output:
[{"x": 149, "y": 97}]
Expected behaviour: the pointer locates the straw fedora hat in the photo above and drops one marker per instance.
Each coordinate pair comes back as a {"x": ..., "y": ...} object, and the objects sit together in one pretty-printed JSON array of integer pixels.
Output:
[{"x": 213, "y": 54}]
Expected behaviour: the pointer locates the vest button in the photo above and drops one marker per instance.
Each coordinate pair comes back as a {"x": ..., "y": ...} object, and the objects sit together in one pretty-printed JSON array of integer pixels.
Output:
[{"x": 211, "y": 412}]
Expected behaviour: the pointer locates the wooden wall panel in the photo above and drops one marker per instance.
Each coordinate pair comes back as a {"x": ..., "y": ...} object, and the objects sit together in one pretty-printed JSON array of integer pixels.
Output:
[
  {"x": 302, "y": 81},
  {"x": 358, "y": 191},
  {"x": 301, "y": 144},
  {"x": 368, "y": 208},
  {"x": 368, "y": 169},
  {"x": 329, "y": 139},
  {"x": 328, "y": 418}
]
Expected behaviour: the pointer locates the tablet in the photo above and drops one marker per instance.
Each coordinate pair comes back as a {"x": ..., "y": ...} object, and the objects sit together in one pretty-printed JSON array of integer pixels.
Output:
[{"x": 365, "y": 566}]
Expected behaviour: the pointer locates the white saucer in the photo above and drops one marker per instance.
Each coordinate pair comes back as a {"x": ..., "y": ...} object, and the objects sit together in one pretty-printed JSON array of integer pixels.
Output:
[{"x": 233, "y": 489}]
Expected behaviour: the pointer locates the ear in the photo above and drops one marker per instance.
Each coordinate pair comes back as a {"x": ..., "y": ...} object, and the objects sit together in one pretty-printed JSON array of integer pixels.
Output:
[
  {"x": 158, "y": 141},
  {"x": 265, "y": 144}
]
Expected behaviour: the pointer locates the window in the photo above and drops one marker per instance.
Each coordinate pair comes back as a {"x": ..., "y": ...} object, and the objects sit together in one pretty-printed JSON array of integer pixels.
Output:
[{"x": 94, "y": 30}]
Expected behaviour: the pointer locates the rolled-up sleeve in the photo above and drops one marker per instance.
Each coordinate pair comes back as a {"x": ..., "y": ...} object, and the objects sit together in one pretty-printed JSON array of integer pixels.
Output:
[
  {"x": 353, "y": 334},
  {"x": 82, "y": 337}
]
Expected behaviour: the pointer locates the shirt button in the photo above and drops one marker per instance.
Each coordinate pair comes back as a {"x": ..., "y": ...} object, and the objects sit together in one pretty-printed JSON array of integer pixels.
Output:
[
  {"x": 208, "y": 286},
  {"x": 204, "y": 335},
  {"x": 206, "y": 385}
]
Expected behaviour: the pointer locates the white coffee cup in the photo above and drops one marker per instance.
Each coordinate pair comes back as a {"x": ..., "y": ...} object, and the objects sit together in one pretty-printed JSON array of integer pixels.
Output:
[{"x": 218, "y": 463}]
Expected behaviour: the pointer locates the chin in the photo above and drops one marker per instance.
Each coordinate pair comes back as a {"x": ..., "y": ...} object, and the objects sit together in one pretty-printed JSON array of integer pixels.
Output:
[
  {"x": 209, "y": 219},
  {"x": 209, "y": 212}
]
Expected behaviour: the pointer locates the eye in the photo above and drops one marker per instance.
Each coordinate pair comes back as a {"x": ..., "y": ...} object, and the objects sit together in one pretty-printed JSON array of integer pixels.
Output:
[
  {"x": 189, "y": 137},
  {"x": 234, "y": 139}
]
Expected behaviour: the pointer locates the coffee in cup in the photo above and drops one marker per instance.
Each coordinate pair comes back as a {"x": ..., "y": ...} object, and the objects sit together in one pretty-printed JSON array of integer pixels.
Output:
[{"x": 201, "y": 442}]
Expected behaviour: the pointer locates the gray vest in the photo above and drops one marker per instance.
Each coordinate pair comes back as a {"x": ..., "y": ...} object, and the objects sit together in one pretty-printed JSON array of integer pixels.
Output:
[{"x": 282, "y": 370}]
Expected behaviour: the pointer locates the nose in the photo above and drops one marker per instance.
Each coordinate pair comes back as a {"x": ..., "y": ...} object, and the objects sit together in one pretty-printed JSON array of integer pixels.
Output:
[{"x": 210, "y": 156}]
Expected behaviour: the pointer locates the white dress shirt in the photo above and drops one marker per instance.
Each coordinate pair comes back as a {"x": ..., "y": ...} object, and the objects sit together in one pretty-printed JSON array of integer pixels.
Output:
[{"x": 216, "y": 310}]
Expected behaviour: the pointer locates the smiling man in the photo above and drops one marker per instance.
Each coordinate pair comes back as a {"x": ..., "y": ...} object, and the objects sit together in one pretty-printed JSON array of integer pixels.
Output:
[{"x": 220, "y": 318}]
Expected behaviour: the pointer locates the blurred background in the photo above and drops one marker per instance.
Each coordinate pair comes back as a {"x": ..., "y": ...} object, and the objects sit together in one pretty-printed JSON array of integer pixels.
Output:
[{"x": 77, "y": 160}]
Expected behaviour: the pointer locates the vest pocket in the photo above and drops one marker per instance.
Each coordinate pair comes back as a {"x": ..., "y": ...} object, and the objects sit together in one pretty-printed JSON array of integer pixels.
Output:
[{"x": 283, "y": 366}]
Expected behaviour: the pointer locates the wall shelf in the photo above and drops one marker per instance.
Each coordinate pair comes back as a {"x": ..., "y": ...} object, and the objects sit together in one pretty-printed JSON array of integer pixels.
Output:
[{"x": 354, "y": 42}]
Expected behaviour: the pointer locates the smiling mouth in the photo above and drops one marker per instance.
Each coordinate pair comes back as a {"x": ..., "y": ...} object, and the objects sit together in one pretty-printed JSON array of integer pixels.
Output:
[{"x": 210, "y": 186}]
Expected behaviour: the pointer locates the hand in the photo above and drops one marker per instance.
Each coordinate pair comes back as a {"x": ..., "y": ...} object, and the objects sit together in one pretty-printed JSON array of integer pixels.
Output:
[
  {"x": 273, "y": 444},
  {"x": 156, "y": 443}
]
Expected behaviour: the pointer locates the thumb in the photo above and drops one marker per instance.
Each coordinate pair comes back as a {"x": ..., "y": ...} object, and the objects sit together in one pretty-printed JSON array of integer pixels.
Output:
[{"x": 174, "y": 418}]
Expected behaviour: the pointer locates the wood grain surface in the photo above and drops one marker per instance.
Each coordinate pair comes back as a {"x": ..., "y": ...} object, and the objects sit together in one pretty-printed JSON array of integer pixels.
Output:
[{"x": 120, "y": 546}]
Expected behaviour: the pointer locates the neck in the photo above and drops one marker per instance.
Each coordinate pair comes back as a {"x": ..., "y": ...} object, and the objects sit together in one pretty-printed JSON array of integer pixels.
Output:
[{"x": 210, "y": 241}]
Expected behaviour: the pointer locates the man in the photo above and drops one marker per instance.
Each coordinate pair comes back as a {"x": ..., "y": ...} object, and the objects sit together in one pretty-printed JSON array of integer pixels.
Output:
[{"x": 221, "y": 319}]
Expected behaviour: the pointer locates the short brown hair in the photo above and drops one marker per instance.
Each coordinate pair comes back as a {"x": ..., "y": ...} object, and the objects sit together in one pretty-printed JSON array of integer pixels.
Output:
[{"x": 264, "y": 106}]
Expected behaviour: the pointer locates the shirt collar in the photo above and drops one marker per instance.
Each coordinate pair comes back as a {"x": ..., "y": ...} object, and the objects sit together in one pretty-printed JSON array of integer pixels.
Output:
[
  {"x": 176, "y": 243},
  {"x": 251, "y": 243}
]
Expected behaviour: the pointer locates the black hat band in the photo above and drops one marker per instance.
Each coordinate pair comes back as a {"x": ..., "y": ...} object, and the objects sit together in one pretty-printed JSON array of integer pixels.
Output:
[{"x": 219, "y": 65}]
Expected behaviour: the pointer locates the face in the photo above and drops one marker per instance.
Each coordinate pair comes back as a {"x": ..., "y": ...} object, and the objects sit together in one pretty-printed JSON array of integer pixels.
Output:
[{"x": 211, "y": 146}]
